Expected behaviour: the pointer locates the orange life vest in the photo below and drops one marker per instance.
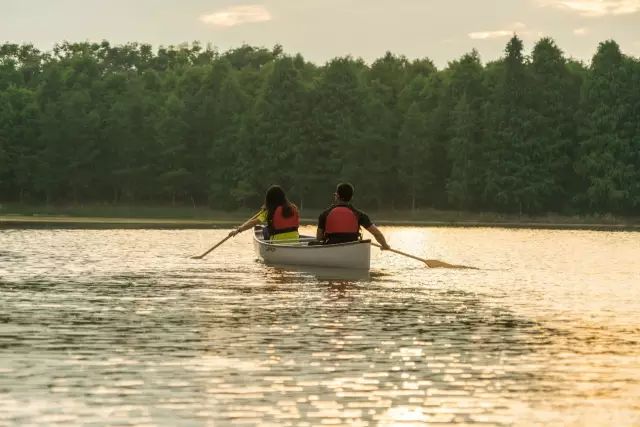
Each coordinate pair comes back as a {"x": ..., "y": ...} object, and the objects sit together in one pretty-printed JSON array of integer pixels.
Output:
[
  {"x": 342, "y": 220},
  {"x": 279, "y": 224}
]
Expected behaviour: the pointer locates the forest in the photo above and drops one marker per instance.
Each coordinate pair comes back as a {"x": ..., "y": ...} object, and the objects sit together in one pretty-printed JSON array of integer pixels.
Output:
[{"x": 190, "y": 125}]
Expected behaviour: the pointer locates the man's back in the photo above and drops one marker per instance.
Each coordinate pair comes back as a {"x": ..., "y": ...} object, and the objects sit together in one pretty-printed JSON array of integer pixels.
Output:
[{"x": 341, "y": 223}]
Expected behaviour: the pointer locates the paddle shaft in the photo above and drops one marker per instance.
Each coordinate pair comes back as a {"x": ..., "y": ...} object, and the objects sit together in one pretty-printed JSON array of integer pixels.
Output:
[
  {"x": 403, "y": 253},
  {"x": 222, "y": 241},
  {"x": 217, "y": 244}
]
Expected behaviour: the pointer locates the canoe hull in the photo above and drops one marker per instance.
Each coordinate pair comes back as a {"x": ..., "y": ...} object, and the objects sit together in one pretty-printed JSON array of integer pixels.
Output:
[{"x": 356, "y": 255}]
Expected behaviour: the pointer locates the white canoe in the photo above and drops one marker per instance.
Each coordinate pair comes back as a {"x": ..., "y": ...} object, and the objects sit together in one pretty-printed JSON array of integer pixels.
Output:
[{"x": 354, "y": 255}]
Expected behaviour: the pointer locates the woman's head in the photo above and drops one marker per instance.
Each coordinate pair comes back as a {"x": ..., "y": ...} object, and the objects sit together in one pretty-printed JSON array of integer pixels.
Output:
[{"x": 274, "y": 198}]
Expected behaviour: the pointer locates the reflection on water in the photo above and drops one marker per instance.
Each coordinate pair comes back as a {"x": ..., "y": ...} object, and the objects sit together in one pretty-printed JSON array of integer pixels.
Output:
[
  {"x": 121, "y": 328},
  {"x": 293, "y": 274}
]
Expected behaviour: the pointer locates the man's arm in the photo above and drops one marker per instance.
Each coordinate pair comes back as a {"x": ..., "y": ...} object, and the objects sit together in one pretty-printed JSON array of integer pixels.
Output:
[
  {"x": 379, "y": 236},
  {"x": 365, "y": 221}
]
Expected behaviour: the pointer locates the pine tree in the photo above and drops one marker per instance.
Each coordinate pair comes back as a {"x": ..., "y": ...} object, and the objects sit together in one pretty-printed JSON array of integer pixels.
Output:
[
  {"x": 510, "y": 180},
  {"x": 609, "y": 137},
  {"x": 465, "y": 149}
]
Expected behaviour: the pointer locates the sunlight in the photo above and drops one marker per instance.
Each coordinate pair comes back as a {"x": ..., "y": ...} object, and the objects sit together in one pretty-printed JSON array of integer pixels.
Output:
[
  {"x": 403, "y": 416},
  {"x": 408, "y": 240}
]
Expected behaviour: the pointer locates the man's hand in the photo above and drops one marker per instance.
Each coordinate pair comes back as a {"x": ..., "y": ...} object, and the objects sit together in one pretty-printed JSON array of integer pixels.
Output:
[
  {"x": 234, "y": 232},
  {"x": 385, "y": 247}
]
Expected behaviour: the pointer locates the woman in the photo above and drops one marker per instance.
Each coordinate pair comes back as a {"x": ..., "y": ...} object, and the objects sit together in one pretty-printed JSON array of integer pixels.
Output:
[{"x": 280, "y": 216}]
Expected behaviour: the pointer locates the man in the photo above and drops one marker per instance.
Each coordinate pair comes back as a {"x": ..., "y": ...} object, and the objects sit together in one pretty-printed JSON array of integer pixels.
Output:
[{"x": 341, "y": 222}]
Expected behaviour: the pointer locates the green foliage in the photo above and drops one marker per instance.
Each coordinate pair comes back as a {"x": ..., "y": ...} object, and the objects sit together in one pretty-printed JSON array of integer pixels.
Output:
[
  {"x": 96, "y": 123},
  {"x": 465, "y": 150},
  {"x": 610, "y": 132}
]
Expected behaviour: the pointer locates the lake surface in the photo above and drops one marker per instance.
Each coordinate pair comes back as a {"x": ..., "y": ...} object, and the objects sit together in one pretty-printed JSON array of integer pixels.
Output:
[{"x": 120, "y": 327}]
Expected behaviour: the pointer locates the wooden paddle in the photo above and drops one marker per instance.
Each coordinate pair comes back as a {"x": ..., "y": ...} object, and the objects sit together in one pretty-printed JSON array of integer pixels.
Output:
[
  {"x": 431, "y": 263},
  {"x": 222, "y": 241},
  {"x": 214, "y": 247}
]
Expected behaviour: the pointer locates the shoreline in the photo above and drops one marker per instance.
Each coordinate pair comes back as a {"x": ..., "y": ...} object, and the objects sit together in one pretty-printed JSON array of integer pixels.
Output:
[{"x": 86, "y": 222}]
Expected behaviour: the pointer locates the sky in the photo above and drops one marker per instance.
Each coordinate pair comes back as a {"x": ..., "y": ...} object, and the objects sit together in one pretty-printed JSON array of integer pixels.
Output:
[{"x": 442, "y": 30}]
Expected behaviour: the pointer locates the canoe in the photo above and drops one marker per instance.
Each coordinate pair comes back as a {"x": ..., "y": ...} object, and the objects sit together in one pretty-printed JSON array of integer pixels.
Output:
[{"x": 353, "y": 255}]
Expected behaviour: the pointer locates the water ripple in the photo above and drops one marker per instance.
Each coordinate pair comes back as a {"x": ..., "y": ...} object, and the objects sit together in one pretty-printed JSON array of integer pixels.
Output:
[{"x": 122, "y": 328}]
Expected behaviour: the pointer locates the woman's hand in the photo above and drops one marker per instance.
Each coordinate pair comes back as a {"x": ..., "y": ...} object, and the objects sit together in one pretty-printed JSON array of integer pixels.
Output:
[{"x": 234, "y": 232}]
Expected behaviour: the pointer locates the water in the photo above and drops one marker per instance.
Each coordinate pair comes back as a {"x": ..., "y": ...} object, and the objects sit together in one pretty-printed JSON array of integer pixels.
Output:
[{"x": 119, "y": 327}]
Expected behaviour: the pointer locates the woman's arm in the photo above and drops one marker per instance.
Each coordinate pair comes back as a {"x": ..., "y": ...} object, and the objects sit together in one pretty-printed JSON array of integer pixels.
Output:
[{"x": 246, "y": 226}]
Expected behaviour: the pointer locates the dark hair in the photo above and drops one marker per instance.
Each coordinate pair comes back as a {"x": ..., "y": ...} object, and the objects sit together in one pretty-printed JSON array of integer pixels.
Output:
[
  {"x": 275, "y": 198},
  {"x": 344, "y": 191}
]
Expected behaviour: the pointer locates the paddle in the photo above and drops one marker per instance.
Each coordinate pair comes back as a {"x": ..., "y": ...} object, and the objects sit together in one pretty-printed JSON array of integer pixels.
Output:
[
  {"x": 431, "y": 263},
  {"x": 222, "y": 241},
  {"x": 207, "y": 253}
]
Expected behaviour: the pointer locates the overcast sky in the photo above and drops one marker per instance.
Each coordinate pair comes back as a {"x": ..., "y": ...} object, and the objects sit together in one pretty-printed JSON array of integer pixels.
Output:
[{"x": 321, "y": 29}]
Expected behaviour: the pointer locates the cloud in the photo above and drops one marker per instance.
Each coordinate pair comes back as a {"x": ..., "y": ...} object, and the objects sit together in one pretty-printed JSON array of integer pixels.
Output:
[
  {"x": 581, "y": 31},
  {"x": 516, "y": 27},
  {"x": 484, "y": 35},
  {"x": 595, "y": 8},
  {"x": 237, "y": 15}
]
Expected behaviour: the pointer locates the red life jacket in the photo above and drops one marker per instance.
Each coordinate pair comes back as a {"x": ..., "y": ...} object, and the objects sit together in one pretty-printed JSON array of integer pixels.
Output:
[
  {"x": 342, "y": 220},
  {"x": 279, "y": 224}
]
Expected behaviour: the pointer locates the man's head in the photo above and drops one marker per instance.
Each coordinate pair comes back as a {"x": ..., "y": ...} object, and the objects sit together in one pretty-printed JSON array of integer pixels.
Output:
[{"x": 344, "y": 192}]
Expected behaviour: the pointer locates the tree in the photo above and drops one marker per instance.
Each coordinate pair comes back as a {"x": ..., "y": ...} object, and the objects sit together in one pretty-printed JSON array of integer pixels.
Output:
[
  {"x": 18, "y": 142},
  {"x": 511, "y": 173},
  {"x": 278, "y": 125},
  {"x": 414, "y": 154},
  {"x": 608, "y": 160},
  {"x": 96, "y": 122},
  {"x": 174, "y": 177},
  {"x": 228, "y": 106},
  {"x": 465, "y": 150}
]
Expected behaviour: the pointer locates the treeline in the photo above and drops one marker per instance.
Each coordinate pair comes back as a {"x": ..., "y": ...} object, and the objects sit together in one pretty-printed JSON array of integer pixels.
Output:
[{"x": 91, "y": 122}]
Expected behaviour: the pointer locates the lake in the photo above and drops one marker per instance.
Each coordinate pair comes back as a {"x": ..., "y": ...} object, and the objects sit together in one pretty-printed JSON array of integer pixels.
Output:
[{"x": 120, "y": 327}]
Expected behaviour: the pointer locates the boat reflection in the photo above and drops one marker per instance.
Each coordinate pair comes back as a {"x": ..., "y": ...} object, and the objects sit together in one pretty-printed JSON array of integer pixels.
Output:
[{"x": 326, "y": 273}]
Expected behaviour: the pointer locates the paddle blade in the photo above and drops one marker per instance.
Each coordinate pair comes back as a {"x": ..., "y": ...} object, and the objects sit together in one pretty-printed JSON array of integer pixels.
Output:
[{"x": 434, "y": 263}]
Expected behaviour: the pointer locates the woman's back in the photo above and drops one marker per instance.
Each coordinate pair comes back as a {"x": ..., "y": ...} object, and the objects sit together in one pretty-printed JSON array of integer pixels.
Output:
[{"x": 280, "y": 225}]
